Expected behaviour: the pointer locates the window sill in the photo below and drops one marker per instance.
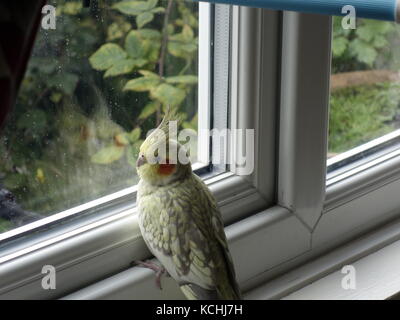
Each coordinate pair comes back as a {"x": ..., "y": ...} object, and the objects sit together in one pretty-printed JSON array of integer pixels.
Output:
[
  {"x": 375, "y": 257},
  {"x": 104, "y": 248},
  {"x": 377, "y": 278},
  {"x": 84, "y": 258},
  {"x": 266, "y": 227}
]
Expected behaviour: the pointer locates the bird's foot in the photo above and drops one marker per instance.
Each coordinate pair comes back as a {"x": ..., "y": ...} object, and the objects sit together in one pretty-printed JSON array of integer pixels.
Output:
[{"x": 159, "y": 270}]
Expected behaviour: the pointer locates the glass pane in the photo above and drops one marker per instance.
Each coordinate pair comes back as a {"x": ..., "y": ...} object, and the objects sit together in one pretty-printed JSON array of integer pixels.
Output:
[
  {"x": 94, "y": 86},
  {"x": 365, "y": 87}
]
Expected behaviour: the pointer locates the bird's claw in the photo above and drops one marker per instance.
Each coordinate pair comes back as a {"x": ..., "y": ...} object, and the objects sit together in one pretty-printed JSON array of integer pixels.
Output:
[{"x": 159, "y": 270}]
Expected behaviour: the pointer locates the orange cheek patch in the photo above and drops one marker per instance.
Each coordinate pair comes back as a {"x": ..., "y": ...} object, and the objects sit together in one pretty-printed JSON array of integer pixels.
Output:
[{"x": 166, "y": 169}]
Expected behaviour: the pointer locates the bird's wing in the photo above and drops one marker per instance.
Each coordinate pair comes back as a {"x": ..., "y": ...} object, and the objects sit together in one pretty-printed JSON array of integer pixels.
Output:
[
  {"x": 210, "y": 270},
  {"x": 219, "y": 234}
]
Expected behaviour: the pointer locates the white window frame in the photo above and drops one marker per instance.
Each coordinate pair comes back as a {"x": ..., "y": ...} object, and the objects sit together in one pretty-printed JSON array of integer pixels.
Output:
[
  {"x": 311, "y": 214},
  {"x": 85, "y": 253},
  {"x": 283, "y": 215},
  {"x": 360, "y": 199},
  {"x": 249, "y": 201}
]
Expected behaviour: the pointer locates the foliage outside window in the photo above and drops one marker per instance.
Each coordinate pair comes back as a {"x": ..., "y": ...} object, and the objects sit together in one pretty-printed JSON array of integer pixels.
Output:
[
  {"x": 365, "y": 87},
  {"x": 93, "y": 88}
]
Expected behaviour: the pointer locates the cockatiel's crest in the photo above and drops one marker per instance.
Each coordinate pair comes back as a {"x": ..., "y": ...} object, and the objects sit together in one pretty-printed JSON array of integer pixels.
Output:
[
  {"x": 181, "y": 223},
  {"x": 170, "y": 115},
  {"x": 162, "y": 132}
]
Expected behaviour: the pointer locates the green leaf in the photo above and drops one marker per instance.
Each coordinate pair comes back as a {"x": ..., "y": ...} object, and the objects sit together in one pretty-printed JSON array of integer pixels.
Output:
[
  {"x": 72, "y": 8},
  {"x": 150, "y": 34},
  {"x": 140, "y": 62},
  {"x": 135, "y": 8},
  {"x": 152, "y": 49},
  {"x": 185, "y": 79},
  {"x": 149, "y": 109},
  {"x": 181, "y": 50},
  {"x": 133, "y": 45},
  {"x": 120, "y": 67},
  {"x": 339, "y": 46},
  {"x": 150, "y": 42},
  {"x": 187, "y": 33},
  {"x": 169, "y": 95},
  {"x": 142, "y": 84},
  {"x": 363, "y": 51},
  {"x": 187, "y": 15},
  {"x": 56, "y": 97},
  {"x": 370, "y": 29},
  {"x": 117, "y": 29},
  {"x": 158, "y": 10},
  {"x": 183, "y": 44},
  {"x": 121, "y": 139},
  {"x": 379, "y": 42},
  {"x": 106, "y": 56},
  {"x": 108, "y": 155},
  {"x": 365, "y": 32},
  {"x": 131, "y": 7},
  {"x": 134, "y": 135},
  {"x": 151, "y": 4},
  {"x": 148, "y": 73},
  {"x": 144, "y": 18},
  {"x": 114, "y": 32}
]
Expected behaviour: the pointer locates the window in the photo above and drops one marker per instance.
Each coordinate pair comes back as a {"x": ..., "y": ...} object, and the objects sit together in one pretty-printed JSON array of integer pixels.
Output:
[
  {"x": 365, "y": 91},
  {"x": 105, "y": 229},
  {"x": 258, "y": 69},
  {"x": 94, "y": 86},
  {"x": 364, "y": 96}
]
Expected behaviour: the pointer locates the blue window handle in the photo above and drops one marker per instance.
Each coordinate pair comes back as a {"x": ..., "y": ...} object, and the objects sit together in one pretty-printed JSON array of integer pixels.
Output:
[{"x": 371, "y": 9}]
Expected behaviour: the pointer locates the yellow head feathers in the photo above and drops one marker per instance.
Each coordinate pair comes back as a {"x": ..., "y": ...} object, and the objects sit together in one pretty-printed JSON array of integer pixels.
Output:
[{"x": 162, "y": 132}]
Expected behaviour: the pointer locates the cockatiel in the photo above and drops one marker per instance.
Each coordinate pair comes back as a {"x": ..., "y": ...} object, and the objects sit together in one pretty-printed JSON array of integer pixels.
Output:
[{"x": 181, "y": 223}]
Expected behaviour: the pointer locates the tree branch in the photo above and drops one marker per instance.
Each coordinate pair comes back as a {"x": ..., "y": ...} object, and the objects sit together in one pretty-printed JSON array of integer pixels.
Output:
[{"x": 163, "y": 52}]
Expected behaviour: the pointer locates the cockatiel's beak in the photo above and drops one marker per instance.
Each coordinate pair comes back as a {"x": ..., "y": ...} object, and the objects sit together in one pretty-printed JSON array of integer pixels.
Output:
[{"x": 140, "y": 161}]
